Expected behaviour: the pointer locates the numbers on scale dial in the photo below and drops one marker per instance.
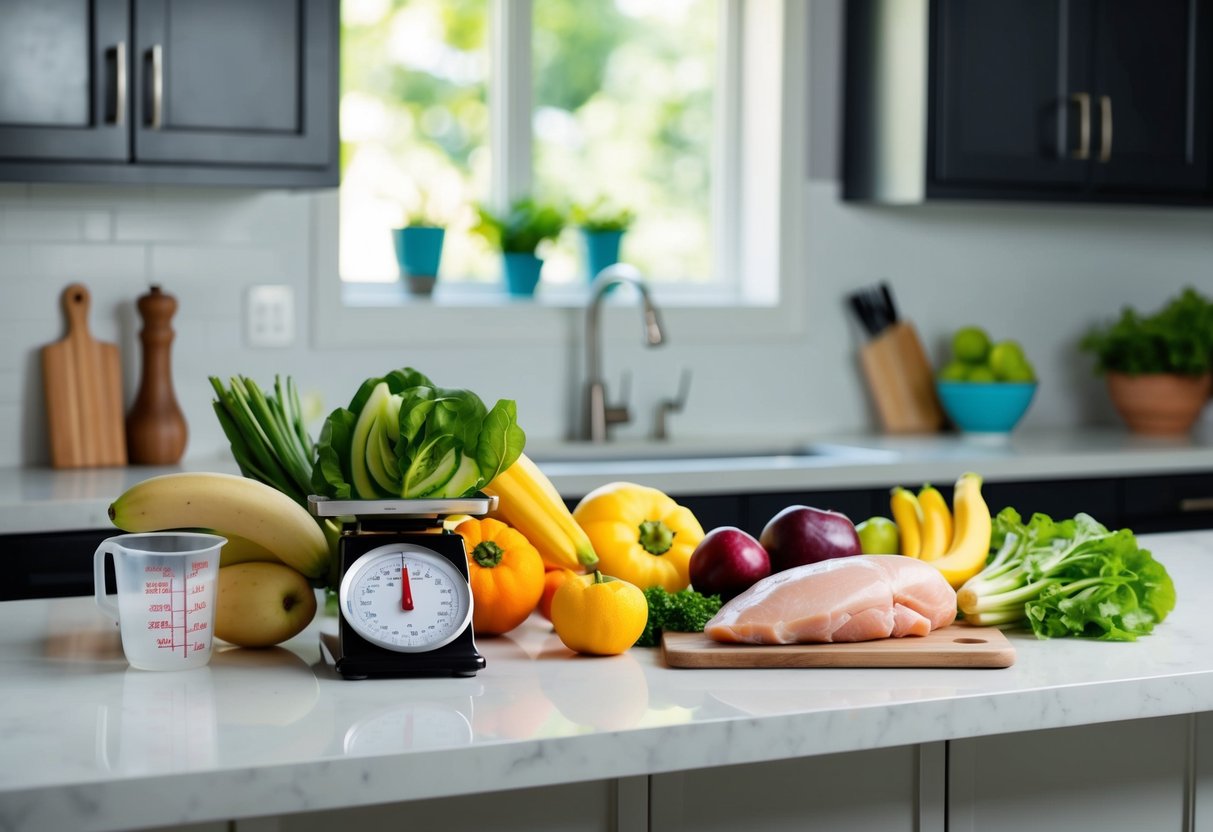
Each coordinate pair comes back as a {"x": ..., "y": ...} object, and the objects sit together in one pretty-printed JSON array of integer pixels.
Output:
[{"x": 406, "y": 598}]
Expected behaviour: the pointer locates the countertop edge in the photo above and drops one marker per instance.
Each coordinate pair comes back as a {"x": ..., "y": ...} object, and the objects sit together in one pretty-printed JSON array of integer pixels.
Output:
[{"x": 330, "y": 784}]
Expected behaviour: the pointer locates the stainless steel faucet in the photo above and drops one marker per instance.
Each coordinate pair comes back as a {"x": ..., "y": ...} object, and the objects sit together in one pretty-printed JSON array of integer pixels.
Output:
[{"x": 598, "y": 415}]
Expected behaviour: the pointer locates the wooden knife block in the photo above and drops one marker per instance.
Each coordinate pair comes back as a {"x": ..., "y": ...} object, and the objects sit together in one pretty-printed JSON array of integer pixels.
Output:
[{"x": 900, "y": 380}]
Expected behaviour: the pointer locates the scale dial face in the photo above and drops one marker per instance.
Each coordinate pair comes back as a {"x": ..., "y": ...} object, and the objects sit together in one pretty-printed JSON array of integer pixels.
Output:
[{"x": 405, "y": 598}]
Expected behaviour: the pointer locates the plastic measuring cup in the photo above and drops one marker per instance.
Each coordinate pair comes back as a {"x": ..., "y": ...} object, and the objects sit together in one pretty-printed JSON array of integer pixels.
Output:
[{"x": 166, "y": 596}]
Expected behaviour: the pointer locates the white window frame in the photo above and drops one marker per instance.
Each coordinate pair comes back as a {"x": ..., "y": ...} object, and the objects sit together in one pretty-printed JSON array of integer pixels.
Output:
[{"x": 759, "y": 179}]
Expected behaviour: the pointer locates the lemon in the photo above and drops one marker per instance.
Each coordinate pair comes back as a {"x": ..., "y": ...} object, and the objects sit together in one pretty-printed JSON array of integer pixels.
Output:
[{"x": 971, "y": 345}]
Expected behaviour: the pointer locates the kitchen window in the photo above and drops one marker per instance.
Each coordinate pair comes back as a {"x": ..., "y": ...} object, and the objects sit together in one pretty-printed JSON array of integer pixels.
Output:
[
  {"x": 610, "y": 99},
  {"x": 678, "y": 110}
]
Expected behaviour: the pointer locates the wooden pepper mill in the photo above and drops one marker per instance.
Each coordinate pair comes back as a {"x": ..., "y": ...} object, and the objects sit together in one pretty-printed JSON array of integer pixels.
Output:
[{"x": 155, "y": 428}]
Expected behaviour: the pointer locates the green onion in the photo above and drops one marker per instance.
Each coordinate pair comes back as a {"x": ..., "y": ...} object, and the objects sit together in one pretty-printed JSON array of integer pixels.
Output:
[{"x": 267, "y": 433}]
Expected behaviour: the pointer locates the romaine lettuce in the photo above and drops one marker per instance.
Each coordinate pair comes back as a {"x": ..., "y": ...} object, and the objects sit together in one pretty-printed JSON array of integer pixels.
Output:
[{"x": 404, "y": 437}]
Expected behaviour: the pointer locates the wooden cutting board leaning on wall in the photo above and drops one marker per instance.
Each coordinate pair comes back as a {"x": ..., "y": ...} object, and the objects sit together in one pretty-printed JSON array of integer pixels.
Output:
[{"x": 82, "y": 379}]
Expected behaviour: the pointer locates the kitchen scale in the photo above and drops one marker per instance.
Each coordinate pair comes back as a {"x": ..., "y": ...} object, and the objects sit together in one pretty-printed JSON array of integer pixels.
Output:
[{"x": 405, "y": 600}]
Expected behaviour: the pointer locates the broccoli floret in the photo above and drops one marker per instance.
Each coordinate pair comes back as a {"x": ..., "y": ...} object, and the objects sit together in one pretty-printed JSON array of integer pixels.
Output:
[{"x": 686, "y": 611}]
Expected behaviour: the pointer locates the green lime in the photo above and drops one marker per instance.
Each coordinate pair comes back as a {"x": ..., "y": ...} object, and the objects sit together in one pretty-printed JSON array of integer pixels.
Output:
[
  {"x": 954, "y": 371},
  {"x": 1007, "y": 359},
  {"x": 982, "y": 375},
  {"x": 970, "y": 344},
  {"x": 1019, "y": 373}
]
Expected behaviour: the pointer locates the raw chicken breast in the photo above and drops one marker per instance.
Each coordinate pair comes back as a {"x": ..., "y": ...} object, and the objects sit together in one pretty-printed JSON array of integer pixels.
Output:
[{"x": 858, "y": 598}]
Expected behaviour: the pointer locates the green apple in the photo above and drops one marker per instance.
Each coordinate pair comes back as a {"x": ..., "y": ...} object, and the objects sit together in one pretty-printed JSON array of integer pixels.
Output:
[
  {"x": 878, "y": 536},
  {"x": 259, "y": 604},
  {"x": 982, "y": 374}
]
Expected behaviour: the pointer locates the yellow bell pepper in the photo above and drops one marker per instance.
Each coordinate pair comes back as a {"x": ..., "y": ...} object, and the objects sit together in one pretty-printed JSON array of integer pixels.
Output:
[
  {"x": 598, "y": 614},
  {"x": 641, "y": 535}
]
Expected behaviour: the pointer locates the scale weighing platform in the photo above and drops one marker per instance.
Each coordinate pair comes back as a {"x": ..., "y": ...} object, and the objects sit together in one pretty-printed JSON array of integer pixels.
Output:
[{"x": 405, "y": 599}]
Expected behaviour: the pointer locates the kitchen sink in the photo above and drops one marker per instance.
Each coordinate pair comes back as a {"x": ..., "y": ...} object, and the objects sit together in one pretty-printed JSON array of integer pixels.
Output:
[{"x": 648, "y": 453}]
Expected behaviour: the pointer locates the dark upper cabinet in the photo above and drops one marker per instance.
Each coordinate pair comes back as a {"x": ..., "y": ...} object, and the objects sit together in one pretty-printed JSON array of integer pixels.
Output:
[
  {"x": 63, "y": 80},
  {"x": 1001, "y": 82},
  {"x": 176, "y": 91},
  {"x": 1150, "y": 90},
  {"x": 1048, "y": 99}
]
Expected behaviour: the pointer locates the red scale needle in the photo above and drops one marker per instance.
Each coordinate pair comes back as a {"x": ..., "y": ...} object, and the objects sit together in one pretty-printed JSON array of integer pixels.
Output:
[{"x": 406, "y": 591}]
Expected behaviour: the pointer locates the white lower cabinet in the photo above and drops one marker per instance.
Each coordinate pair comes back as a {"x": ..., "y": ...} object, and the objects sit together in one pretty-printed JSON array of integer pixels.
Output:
[
  {"x": 1108, "y": 777},
  {"x": 892, "y": 790},
  {"x": 1151, "y": 774},
  {"x": 577, "y": 807}
]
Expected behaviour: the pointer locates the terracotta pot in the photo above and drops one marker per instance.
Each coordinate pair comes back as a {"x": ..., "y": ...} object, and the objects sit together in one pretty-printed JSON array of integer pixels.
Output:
[{"x": 1162, "y": 404}]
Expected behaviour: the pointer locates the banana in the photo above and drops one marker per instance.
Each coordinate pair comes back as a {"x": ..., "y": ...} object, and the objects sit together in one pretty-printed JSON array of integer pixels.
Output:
[
  {"x": 236, "y": 505},
  {"x": 242, "y": 550},
  {"x": 936, "y": 523},
  {"x": 529, "y": 502},
  {"x": 971, "y": 539},
  {"x": 908, "y": 515}
]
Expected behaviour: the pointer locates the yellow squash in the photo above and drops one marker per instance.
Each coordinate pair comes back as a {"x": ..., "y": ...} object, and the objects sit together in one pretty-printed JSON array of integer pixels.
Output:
[
  {"x": 641, "y": 535},
  {"x": 598, "y": 614}
]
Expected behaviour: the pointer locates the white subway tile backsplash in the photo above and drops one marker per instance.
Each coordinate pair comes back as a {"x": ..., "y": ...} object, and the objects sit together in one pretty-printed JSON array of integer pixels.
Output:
[
  {"x": 37, "y": 226},
  {"x": 55, "y": 195},
  {"x": 183, "y": 225},
  {"x": 14, "y": 263},
  {"x": 87, "y": 261},
  {"x": 11, "y": 438},
  {"x": 98, "y": 226},
  {"x": 218, "y": 261}
]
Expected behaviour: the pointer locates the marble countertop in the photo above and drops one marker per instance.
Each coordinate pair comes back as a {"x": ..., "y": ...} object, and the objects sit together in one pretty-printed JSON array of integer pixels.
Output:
[
  {"x": 41, "y": 499},
  {"x": 88, "y": 744}
]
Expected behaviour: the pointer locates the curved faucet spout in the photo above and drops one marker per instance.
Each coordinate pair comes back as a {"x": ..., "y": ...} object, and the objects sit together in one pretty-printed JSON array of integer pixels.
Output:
[{"x": 597, "y": 414}]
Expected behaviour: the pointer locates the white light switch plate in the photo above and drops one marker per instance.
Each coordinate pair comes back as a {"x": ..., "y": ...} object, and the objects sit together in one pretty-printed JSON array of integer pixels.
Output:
[{"x": 269, "y": 316}]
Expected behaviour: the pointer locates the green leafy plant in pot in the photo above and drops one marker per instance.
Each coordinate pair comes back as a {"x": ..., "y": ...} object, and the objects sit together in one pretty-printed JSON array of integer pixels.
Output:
[
  {"x": 517, "y": 234},
  {"x": 602, "y": 229},
  {"x": 418, "y": 246},
  {"x": 1159, "y": 367}
]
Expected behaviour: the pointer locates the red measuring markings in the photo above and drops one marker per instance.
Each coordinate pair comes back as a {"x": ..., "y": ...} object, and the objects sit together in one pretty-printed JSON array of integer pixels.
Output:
[{"x": 182, "y": 604}]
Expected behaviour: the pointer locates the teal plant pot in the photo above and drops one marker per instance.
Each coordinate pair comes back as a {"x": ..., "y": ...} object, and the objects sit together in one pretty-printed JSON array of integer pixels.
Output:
[
  {"x": 601, "y": 250},
  {"x": 521, "y": 273},
  {"x": 418, "y": 253}
]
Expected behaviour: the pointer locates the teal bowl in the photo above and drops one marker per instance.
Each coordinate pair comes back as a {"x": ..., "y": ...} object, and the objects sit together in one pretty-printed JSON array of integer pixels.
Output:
[{"x": 985, "y": 407}]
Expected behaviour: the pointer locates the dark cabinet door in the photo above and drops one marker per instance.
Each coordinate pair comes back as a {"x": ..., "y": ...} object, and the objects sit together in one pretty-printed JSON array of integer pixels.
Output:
[
  {"x": 232, "y": 82},
  {"x": 63, "y": 80},
  {"x": 1004, "y": 76},
  {"x": 1150, "y": 80}
]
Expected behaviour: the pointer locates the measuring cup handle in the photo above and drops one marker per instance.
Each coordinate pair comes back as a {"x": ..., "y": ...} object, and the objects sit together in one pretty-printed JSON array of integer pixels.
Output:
[{"x": 105, "y": 602}]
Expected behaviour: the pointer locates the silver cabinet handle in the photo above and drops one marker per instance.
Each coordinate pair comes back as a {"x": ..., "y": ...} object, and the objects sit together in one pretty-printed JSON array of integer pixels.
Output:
[
  {"x": 1194, "y": 504},
  {"x": 1083, "y": 100},
  {"x": 120, "y": 84},
  {"x": 1105, "y": 128},
  {"x": 156, "y": 114}
]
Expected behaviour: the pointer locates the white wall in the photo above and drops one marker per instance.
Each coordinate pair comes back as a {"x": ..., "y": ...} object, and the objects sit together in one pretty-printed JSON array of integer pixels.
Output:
[{"x": 1040, "y": 274}]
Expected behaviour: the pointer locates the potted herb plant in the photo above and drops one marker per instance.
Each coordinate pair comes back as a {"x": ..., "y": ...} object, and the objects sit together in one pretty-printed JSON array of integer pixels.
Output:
[
  {"x": 419, "y": 251},
  {"x": 602, "y": 230},
  {"x": 1158, "y": 366},
  {"x": 517, "y": 234}
]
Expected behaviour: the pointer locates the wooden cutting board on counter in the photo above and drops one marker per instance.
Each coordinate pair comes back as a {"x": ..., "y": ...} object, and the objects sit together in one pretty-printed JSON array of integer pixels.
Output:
[
  {"x": 957, "y": 646},
  {"x": 82, "y": 379}
]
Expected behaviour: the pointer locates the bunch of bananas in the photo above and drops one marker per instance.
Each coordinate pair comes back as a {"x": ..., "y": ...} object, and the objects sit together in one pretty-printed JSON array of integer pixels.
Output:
[
  {"x": 274, "y": 547},
  {"x": 957, "y": 541}
]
